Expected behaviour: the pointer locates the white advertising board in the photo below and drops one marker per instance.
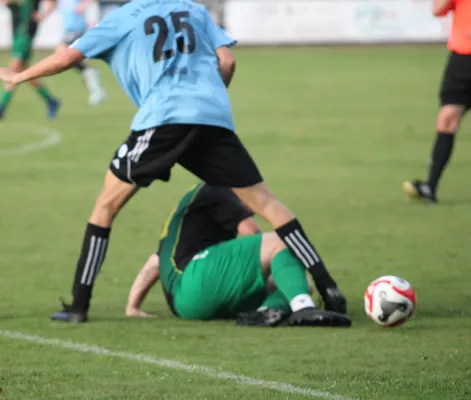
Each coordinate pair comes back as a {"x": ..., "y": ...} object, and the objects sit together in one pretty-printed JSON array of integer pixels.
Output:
[
  {"x": 274, "y": 22},
  {"x": 333, "y": 21}
]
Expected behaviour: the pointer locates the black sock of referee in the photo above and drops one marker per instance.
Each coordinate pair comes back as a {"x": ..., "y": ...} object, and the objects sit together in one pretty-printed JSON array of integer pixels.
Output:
[
  {"x": 294, "y": 237},
  {"x": 440, "y": 156},
  {"x": 95, "y": 244}
]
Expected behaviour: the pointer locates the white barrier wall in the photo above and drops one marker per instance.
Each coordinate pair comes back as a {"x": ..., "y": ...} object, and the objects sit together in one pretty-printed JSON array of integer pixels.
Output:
[
  {"x": 271, "y": 22},
  {"x": 333, "y": 21}
]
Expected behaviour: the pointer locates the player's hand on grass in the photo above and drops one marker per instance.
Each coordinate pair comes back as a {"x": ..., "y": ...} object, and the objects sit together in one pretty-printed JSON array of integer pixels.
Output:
[
  {"x": 7, "y": 76},
  {"x": 135, "y": 312}
]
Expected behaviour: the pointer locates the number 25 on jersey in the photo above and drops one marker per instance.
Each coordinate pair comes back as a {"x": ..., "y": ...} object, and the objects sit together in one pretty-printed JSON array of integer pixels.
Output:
[{"x": 180, "y": 25}]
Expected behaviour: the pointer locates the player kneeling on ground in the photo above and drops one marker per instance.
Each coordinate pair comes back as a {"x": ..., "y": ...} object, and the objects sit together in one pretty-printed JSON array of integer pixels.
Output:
[{"x": 208, "y": 273}]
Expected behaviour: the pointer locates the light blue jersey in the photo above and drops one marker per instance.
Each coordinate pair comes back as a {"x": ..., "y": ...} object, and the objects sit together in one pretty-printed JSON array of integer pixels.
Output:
[
  {"x": 163, "y": 54},
  {"x": 72, "y": 21}
]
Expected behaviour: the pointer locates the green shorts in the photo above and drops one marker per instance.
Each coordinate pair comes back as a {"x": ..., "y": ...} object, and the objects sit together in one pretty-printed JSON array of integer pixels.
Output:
[
  {"x": 22, "y": 47},
  {"x": 222, "y": 281}
]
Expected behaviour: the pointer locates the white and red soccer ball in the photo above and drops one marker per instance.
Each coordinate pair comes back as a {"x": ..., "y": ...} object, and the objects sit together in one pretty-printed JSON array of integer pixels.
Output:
[{"x": 389, "y": 301}]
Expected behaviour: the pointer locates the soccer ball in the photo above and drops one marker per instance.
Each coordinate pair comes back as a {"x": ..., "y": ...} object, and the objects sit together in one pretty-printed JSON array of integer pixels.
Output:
[{"x": 389, "y": 301}]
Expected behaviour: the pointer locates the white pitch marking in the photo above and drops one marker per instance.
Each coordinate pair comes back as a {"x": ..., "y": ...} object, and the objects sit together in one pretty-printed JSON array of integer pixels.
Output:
[
  {"x": 51, "y": 139},
  {"x": 161, "y": 362}
]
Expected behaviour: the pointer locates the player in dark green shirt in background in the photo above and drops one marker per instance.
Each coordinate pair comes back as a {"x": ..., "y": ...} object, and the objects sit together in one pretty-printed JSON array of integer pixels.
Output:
[{"x": 25, "y": 17}]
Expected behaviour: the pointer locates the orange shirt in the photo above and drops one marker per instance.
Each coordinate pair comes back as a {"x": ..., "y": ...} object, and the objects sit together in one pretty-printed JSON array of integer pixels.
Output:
[{"x": 460, "y": 35}]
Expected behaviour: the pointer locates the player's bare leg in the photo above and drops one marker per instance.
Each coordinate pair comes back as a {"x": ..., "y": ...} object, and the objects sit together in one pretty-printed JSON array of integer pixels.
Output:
[
  {"x": 292, "y": 294},
  {"x": 264, "y": 203},
  {"x": 448, "y": 122},
  {"x": 110, "y": 201}
]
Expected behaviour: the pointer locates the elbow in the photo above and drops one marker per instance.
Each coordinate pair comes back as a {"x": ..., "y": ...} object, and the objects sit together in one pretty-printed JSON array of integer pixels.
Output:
[
  {"x": 231, "y": 65},
  {"x": 227, "y": 61},
  {"x": 228, "y": 65}
]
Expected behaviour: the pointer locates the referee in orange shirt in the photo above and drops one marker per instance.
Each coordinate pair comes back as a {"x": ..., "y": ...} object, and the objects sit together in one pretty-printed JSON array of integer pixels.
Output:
[{"x": 455, "y": 96}]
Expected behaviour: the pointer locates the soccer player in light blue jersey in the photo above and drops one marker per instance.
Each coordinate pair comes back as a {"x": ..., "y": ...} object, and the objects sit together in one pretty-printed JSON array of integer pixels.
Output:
[
  {"x": 75, "y": 25},
  {"x": 175, "y": 64}
]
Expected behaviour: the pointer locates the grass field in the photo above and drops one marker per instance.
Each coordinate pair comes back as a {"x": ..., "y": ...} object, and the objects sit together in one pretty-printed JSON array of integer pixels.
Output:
[{"x": 335, "y": 132}]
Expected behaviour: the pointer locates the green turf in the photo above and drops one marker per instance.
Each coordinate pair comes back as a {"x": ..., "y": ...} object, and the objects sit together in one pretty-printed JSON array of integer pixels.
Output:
[{"x": 335, "y": 131}]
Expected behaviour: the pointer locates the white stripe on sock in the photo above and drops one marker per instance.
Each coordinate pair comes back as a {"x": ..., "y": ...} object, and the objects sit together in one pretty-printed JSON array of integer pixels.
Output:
[
  {"x": 89, "y": 260},
  {"x": 102, "y": 255},
  {"x": 296, "y": 251},
  {"x": 91, "y": 275},
  {"x": 302, "y": 249},
  {"x": 307, "y": 245}
]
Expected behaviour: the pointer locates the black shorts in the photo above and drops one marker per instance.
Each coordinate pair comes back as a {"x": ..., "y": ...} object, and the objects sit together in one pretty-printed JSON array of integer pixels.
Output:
[
  {"x": 213, "y": 154},
  {"x": 456, "y": 84}
]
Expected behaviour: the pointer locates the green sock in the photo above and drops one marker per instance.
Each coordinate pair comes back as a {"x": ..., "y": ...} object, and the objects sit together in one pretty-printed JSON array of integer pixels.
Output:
[
  {"x": 276, "y": 300},
  {"x": 290, "y": 279},
  {"x": 6, "y": 98},
  {"x": 44, "y": 93}
]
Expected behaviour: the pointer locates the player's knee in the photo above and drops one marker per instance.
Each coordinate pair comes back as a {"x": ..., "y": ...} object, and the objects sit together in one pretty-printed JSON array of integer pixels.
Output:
[
  {"x": 257, "y": 197},
  {"x": 449, "y": 118},
  {"x": 107, "y": 204},
  {"x": 106, "y": 208},
  {"x": 112, "y": 198},
  {"x": 265, "y": 204},
  {"x": 273, "y": 244}
]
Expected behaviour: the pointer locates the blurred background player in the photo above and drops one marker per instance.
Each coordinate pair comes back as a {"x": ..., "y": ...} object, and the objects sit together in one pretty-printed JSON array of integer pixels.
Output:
[
  {"x": 25, "y": 17},
  {"x": 74, "y": 22},
  {"x": 455, "y": 96},
  {"x": 209, "y": 273}
]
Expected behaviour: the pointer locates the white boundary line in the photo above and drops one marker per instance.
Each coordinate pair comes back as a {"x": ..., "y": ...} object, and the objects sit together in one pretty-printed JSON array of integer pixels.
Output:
[
  {"x": 51, "y": 139},
  {"x": 161, "y": 362}
]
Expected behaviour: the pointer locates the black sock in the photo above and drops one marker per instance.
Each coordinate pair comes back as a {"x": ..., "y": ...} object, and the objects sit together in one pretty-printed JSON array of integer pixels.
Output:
[
  {"x": 440, "y": 156},
  {"x": 95, "y": 244},
  {"x": 294, "y": 237},
  {"x": 81, "y": 66}
]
